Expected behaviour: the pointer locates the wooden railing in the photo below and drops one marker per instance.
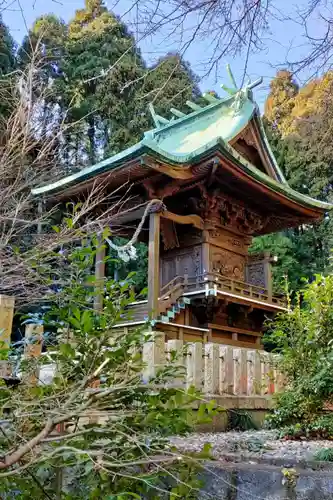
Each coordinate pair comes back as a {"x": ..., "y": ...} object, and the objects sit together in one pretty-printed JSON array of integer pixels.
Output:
[
  {"x": 220, "y": 283},
  {"x": 211, "y": 282},
  {"x": 174, "y": 283}
]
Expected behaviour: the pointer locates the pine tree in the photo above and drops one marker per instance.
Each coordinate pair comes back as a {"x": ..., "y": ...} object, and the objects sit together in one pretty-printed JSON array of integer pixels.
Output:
[
  {"x": 7, "y": 50},
  {"x": 170, "y": 82},
  {"x": 7, "y": 65},
  {"x": 101, "y": 62}
]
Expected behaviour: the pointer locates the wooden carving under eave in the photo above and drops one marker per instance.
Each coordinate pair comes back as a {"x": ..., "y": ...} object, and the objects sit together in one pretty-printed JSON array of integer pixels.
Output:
[
  {"x": 221, "y": 209},
  {"x": 205, "y": 309}
]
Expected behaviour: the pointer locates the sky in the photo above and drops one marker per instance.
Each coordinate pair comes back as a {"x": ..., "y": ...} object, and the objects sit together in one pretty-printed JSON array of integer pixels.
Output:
[{"x": 20, "y": 14}]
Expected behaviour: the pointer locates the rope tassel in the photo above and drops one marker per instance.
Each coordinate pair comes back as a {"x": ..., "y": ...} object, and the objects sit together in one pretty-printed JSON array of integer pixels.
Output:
[{"x": 128, "y": 252}]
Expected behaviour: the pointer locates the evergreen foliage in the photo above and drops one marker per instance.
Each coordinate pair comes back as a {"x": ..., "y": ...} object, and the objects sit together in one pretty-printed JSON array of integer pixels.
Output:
[
  {"x": 298, "y": 123},
  {"x": 99, "y": 84},
  {"x": 7, "y": 66},
  {"x": 304, "y": 337},
  {"x": 7, "y": 50}
]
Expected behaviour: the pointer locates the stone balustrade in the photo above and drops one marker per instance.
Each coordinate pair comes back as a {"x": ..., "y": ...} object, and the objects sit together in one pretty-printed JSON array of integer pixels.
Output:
[
  {"x": 214, "y": 369},
  {"x": 217, "y": 369}
]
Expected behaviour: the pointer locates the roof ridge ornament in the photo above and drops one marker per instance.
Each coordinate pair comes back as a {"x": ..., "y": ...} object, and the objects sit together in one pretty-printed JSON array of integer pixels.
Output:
[
  {"x": 158, "y": 119},
  {"x": 240, "y": 94}
]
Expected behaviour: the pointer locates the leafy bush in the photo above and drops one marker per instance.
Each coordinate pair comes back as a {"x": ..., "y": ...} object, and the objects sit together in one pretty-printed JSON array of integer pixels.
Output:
[
  {"x": 240, "y": 420},
  {"x": 99, "y": 429},
  {"x": 318, "y": 428},
  {"x": 304, "y": 336}
]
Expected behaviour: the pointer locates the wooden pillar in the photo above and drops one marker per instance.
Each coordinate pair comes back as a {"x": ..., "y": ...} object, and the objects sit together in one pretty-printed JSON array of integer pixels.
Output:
[
  {"x": 99, "y": 277},
  {"x": 6, "y": 319},
  {"x": 268, "y": 274},
  {"x": 34, "y": 340},
  {"x": 205, "y": 255},
  {"x": 153, "y": 264}
]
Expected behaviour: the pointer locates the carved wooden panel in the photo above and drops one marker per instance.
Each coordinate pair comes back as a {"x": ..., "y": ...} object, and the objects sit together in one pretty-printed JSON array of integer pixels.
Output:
[
  {"x": 230, "y": 213},
  {"x": 255, "y": 274},
  {"x": 179, "y": 262},
  {"x": 223, "y": 238},
  {"x": 227, "y": 263}
]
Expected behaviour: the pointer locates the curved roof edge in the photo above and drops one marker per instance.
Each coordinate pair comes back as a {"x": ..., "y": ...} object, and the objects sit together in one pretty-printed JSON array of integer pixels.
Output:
[{"x": 149, "y": 146}]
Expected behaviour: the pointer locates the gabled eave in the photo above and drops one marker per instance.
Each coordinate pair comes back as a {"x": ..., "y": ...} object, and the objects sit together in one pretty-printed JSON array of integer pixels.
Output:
[{"x": 148, "y": 147}]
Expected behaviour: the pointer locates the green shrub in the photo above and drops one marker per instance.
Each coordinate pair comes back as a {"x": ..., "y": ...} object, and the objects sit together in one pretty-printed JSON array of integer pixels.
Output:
[
  {"x": 291, "y": 407},
  {"x": 99, "y": 370},
  {"x": 318, "y": 428},
  {"x": 304, "y": 336},
  {"x": 324, "y": 455},
  {"x": 240, "y": 420}
]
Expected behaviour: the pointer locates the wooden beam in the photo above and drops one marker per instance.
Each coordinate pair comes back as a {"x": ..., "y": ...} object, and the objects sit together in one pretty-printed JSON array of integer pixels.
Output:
[
  {"x": 136, "y": 214},
  {"x": 172, "y": 171},
  {"x": 234, "y": 329},
  {"x": 130, "y": 215},
  {"x": 193, "y": 220},
  {"x": 153, "y": 264},
  {"x": 6, "y": 319}
]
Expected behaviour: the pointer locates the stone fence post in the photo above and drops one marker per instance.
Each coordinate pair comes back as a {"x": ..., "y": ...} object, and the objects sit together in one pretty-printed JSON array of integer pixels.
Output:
[
  {"x": 33, "y": 349},
  {"x": 6, "y": 318}
]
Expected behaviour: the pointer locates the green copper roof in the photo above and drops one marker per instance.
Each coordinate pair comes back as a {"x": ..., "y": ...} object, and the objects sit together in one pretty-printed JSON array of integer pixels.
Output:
[{"x": 186, "y": 138}]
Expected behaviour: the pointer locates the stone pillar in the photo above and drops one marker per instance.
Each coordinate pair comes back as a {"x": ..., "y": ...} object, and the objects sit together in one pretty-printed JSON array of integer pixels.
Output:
[
  {"x": 194, "y": 365},
  {"x": 237, "y": 372},
  {"x": 153, "y": 354},
  {"x": 176, "y": 346},
  {"x": 250, "y": 373},
  {"x": 33, "y": 349},
  {"x": 212, "y": 371},
  {"x": 6, "y": 318},
  {"x": 265, "y": 361},
  {"x": 226, "y": 370},
  {"x": 243, "y": 371}
]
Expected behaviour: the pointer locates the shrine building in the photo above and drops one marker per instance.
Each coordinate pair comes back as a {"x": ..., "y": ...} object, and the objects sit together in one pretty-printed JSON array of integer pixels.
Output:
[{"x": 212, "y": 184}]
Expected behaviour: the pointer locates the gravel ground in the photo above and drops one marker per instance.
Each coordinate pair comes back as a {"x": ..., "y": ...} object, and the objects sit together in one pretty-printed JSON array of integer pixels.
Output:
[{"x": 262, "y": 444}]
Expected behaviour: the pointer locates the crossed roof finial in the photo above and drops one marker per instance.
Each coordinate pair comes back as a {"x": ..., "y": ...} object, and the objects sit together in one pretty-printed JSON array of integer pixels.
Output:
[{"x": 232, "y": 90}]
